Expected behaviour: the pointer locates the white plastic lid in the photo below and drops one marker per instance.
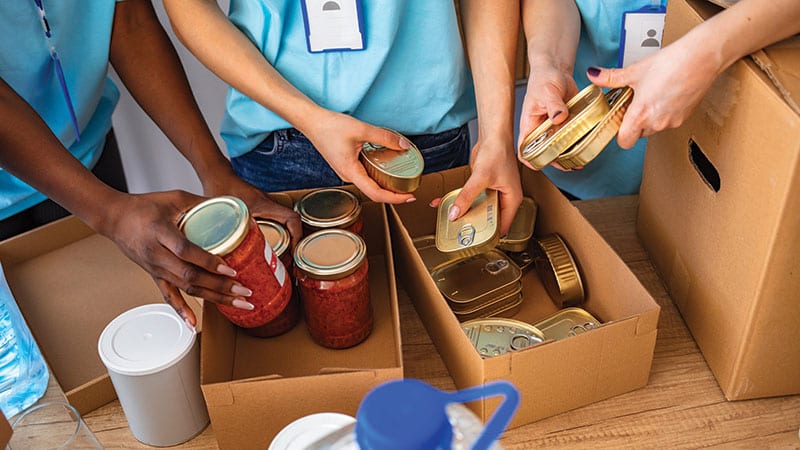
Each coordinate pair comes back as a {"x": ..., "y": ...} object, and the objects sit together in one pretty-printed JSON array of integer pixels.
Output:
[
  {"x": 145, "y": 340},
  {"x": 304, "y": 431}
]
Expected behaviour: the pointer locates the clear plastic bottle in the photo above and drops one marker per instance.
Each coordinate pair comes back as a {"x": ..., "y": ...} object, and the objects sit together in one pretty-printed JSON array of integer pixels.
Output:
[{"x": 23, "y": 371}]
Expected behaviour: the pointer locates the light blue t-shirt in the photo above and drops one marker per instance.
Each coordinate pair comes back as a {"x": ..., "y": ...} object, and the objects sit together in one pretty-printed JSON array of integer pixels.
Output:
[
  {"x": 412, "y": 76},
  {"x": 614, "y": 171},
  {"x": 81, "y": 33}
]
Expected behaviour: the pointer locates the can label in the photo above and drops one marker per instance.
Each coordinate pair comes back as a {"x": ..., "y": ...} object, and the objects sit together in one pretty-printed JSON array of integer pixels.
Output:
[{"x": 275, "y": 265}]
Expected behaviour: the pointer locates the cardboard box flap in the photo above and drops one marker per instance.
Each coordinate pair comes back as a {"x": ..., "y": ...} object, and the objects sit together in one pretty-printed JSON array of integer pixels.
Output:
[
  {"x": 781, "y": 63},
  {"x": 5, "y": 431}
]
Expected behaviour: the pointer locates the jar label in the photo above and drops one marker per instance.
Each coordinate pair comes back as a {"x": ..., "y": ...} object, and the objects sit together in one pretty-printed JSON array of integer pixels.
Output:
[{"x": 275, "y": 265}]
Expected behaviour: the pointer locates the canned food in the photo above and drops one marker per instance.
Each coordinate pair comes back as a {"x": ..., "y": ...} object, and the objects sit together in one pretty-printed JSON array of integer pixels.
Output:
[
  {"x": 330, "y": 208},
  {"x": 586, "y": 149},
  {"x": 547, "y": 141},
  {"x": 496, "y": 336},
  {"x": 521, "y": 227},
  {"x": 478, "y": 279},
  {"x": 397, "y": 171},
  {"x": 558, "y": 271},
  {"x": 505, "y": 306},
  {"x": 523, "y": 259},
  {"x": 331, "y": 271},
  {"x": 567, "y": 322},
  {"x": 432, "y": 258},
  {"x": 474, "y": 232},
  {"x": 223, "y": 226},
  {"x": 279, "y": 239}
]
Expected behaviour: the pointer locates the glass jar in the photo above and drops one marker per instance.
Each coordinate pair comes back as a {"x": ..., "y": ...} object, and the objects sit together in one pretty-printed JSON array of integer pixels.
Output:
[
  {"x": 279, "y": 239},
  {"x": 331, "y": 271},
  {"x": 330, "y": 208},
  {"x": 223, "y": 226}
]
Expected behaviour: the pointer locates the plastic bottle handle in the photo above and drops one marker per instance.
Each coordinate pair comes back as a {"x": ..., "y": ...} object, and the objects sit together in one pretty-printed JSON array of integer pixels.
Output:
[{"x": 502, "y": 415}]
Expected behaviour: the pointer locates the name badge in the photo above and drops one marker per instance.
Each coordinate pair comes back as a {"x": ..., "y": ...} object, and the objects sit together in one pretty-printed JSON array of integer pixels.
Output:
[
  {"x": 333, "y": 25},
  {"x": 642, "y": 31}
]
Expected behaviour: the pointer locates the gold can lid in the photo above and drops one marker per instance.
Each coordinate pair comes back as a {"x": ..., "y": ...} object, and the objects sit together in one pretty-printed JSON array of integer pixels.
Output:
[
  {"x": 328, "y": 208},
  {"x": 475, "y": 231},
  {"x": 521, "y": 229},
  {"x": 330, "y": 254},
  {"x": 506, "y": 306},
  {"x": 276, "y": 234},
  {"x": 558, "y": 271},
  {"x": 588, "y": 147},
  {"x": 217, "y": 225},
  {"x": 432, "y": 258},
  {"x": 497, "y": 336},
  {"x": 567, "y": 322},
  {"x": 547, "y": 141},
  {"x": 487, "y": 303},
  {"x": 476, "y": 277},
  {"x": 397, "y": 171}
]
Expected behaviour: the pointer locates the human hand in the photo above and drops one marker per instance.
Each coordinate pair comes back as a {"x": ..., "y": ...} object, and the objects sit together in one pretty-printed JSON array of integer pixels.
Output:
[
  {"x": 144, "y": 227},
  {"x": 339, "y": 139}
]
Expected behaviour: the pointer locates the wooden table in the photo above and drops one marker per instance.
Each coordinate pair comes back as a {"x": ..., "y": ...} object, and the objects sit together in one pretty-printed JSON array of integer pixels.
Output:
[{"x": 681, "y": 407}]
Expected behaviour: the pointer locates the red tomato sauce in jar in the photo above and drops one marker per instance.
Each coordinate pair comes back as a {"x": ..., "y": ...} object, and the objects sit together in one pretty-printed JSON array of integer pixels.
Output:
[
  {"x": 278, "y": 238},
  {"x": 327, "y": 208},
  {"x": 223, "y": 226},
  {"x": 332, "y": 275}
]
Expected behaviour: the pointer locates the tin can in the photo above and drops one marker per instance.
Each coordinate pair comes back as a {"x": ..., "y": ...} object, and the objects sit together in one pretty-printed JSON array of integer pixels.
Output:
[
  {"x": 586, "y": 149},
  {"x": 523, "y": 259},
  {"x": 432, "y": 258},
  {"x": 521, "y": 229},
  {"x": 567, "y": 322},
  {"x": 331, "y": 270},
  {"x": 330, "y": 208},
  {"x": 547, "y": 141},
  {"x": 474, "y": 232},
  {"x": 497, "y": 336},
  {"x": 396, "y": 171},
  {"x": 223, "y": 226},
  {"x": 279, "y": 239},
  {"x": 558, "y": 271},
  {"x": 505, "y": 306}
]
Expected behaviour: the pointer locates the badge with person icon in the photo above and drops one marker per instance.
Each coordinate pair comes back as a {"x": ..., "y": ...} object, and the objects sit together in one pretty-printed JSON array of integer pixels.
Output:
[{"x": 641, "y": 33}]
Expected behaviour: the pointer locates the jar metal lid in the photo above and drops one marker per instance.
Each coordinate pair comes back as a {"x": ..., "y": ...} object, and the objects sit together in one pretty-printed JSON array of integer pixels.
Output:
[
  {"x": 330, "y": 254},
  {"x": 475, "y": 278},
  {"x": 521, "y": 229},
  {"x": 275, "y": 234},
  {"x": 328, "y": 208},
  {"x": 497, "y": 336},
  {"x": 474, "y": 232},
  {"x": 547, "y": 141},
  {"x": 558, "y": 271},
  {"x": 397, "y": 171},
  {"x": 217, "y": 225},
  {"x": 586, "y": 149},
  {"x": 567, "y": 322}
]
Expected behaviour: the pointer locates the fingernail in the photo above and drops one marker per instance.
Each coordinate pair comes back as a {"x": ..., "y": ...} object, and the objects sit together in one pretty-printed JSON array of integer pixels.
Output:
[
  {"x": 453, "y": 213},
  {"x": 556, "y": 114},
  {"x": 241, "y": 304},
  {"x": 404, "y": 144},
  {"x": 593, "y": 71},
  {"x": 226, "y": 270},
  {"x": 191, "y": 327},
  {"x": 411, "y": 200},
  {"x": 238, "y": 289}
]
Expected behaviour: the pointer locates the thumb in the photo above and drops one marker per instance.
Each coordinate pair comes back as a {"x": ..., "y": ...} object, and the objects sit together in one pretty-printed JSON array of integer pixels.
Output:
[
  {"x": 554, "y": 105},
  {"x": 608, "y": 78},
  {"x": 387, "y": 138},
  {"x": 464, "y": 199}
]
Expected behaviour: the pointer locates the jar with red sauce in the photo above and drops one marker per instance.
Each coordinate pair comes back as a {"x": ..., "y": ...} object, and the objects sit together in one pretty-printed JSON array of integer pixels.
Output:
[
  {"x": 327, "y": 208},
  {"x": 223, "y": 226},
  {"x": 331, "y": 272},
  {"x": 279, "y": 239}
]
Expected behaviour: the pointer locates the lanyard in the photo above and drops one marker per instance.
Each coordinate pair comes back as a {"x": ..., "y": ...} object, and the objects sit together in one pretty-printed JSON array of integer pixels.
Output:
[{"x": 59, "y": 71}]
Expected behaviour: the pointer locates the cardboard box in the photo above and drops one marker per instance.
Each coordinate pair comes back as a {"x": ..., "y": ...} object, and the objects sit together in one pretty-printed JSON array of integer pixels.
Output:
[
  {"x": 5, "y": 431},
  {"x": 718, "y": 214},
  {"x": 254, "y": 387},
  {"x": 554, "y": 376},
  {"x": 69, "y": 283}
]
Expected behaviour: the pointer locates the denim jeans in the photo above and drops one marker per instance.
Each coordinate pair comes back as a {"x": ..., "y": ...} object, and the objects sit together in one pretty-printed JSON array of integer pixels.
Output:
[{"x": 287, "y": 160}]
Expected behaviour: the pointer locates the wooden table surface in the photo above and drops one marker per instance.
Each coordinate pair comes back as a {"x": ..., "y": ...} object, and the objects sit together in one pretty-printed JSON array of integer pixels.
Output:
[{"x": 681, "y": 407}]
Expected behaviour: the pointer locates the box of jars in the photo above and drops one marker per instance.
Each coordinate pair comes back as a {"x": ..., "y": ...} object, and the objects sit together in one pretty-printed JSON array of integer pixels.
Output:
[
  {"x": 334, "y": 339},
  {"x": 580, "y": 327}
]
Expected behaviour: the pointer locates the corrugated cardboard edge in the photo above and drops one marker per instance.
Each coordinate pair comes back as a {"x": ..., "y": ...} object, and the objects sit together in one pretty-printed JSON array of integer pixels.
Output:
[
  {"x": 5, "y": 431},
  {"x": 786, "y": 82}
]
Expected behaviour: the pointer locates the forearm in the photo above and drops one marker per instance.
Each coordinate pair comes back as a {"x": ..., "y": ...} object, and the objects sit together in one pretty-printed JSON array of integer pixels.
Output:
[
  {"x": 225, "y": 50},
  {"x": 491, "y": 30},
  {"x": 28, "y": 149},
  {"x": 552, "y": 30}
]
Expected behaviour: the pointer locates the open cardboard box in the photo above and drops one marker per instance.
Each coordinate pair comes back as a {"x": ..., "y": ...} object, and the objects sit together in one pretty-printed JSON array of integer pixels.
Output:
[
  {"x": 254, "y": 387},
  {"x": 554, "y": 376},
  {"x": 69, "y": 283},
  {"x": 5, "y": 431},
  {"x": 718, "y": 215}
]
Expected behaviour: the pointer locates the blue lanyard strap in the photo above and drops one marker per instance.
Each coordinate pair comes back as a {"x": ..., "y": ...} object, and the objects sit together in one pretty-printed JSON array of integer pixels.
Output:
[{"x": 59, "y": 70}]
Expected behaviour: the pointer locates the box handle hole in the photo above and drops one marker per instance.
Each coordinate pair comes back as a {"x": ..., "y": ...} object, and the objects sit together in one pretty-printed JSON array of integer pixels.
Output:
[{"x": 703, "y": 166}]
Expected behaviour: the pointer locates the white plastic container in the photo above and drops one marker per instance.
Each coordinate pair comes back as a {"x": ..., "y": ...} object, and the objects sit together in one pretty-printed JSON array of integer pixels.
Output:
[{"x": 153, "y": 360}]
